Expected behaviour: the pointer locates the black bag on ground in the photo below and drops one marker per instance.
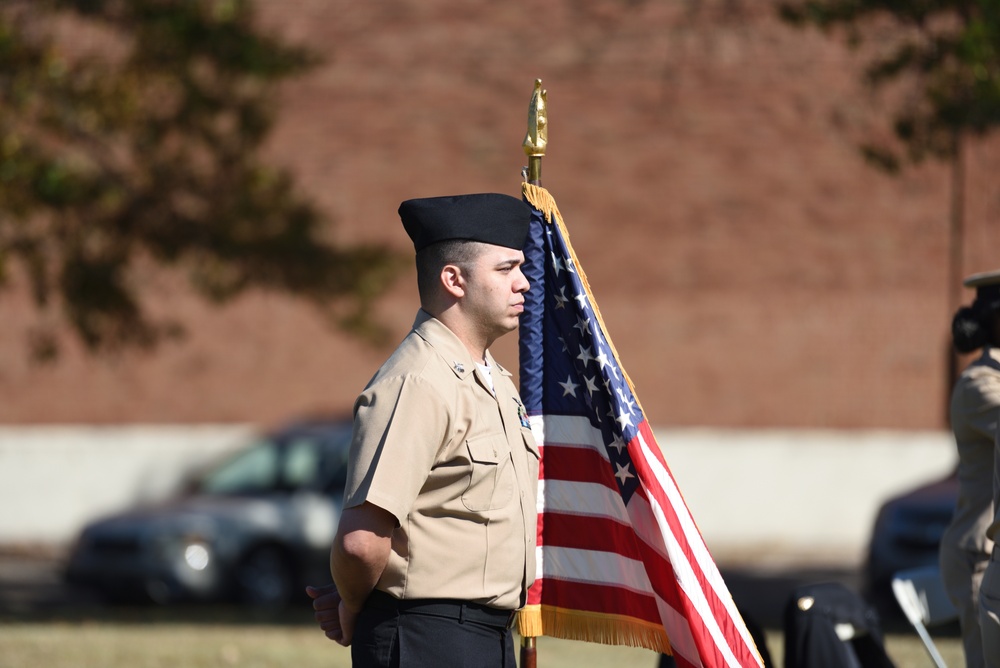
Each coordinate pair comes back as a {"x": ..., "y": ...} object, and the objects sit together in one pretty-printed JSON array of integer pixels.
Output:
[{"x": 829, "y": 626}]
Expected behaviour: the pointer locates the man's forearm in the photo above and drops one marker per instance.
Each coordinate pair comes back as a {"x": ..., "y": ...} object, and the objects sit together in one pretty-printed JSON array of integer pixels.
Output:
[
  {"x": 355, "y": 572},
  {"x": 360, "y": 552}
]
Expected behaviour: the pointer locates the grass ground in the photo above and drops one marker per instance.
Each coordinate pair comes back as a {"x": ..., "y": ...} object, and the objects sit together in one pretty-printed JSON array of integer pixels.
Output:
[{"x": 142, "y": 643}]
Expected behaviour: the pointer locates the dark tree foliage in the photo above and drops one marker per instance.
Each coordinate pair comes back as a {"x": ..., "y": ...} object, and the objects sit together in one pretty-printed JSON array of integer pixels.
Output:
[
  {"x": 945, "y": 52},
  {"x": 129, "y": 140}
]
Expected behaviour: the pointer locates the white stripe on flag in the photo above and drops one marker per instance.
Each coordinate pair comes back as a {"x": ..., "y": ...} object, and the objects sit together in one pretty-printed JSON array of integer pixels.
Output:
[
  {"x": 594, "y": 567},
  {"x": 569, "y": 430},
  {"x": 584, "y": 498}
]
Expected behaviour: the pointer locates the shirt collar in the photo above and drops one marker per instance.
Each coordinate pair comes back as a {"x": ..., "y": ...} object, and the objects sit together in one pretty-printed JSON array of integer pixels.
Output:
[
  {"x": 449, "y": 347},
  {"x": 444, "y": 341}
]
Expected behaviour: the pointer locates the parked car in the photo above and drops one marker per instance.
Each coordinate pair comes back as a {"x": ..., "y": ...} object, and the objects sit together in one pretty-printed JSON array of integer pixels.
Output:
[
  {"x": 907, "y": 534},
  {"x": 254, "y": 529}
]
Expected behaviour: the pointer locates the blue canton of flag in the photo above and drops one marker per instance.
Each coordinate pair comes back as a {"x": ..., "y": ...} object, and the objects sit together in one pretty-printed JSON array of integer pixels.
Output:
[{"x": 582, "y": 376}]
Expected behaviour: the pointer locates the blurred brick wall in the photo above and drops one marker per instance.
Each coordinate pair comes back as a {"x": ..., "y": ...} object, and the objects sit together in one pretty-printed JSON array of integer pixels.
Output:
[{"x": 752, "y": 270}]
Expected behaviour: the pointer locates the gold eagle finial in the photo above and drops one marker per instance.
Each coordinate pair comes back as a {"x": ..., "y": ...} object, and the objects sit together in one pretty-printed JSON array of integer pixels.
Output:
[{"x": 538, "y": 123}]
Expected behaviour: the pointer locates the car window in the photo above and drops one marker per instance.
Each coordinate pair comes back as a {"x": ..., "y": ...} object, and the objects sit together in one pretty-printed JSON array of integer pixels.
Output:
[
  {"x": 333, "y": 475},
  {"x": 252, "y": 470},
  {"x": 313, "y": 458},
  {"x": 301, "y": 463},
  {"x": 333, "y": 464}
]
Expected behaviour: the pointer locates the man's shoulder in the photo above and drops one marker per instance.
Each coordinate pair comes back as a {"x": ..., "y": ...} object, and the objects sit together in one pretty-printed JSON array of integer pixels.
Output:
[{"x": 413, "y": 357}]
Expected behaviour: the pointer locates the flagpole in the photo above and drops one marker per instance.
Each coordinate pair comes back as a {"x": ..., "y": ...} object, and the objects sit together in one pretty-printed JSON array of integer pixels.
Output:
[{"x": 534, "y": 145}]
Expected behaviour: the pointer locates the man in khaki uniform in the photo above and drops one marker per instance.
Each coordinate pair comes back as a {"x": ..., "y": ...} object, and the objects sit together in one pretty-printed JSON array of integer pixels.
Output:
[
  {"x": 435, "y": 548},
  {"x": 983, "y": 327},
  {"x": 975, "y": 408}
]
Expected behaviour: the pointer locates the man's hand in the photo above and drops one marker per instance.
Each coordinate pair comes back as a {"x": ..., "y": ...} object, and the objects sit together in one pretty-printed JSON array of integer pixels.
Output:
[{"x": 334, "y": 618}]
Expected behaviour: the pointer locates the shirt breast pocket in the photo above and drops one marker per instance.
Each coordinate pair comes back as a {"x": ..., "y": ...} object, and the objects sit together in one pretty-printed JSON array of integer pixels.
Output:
[{"x": 491, "y": 484}]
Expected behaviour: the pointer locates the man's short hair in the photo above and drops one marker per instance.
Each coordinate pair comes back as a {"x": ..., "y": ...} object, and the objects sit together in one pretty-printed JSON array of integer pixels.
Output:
[{"x": 432, "y": 259}]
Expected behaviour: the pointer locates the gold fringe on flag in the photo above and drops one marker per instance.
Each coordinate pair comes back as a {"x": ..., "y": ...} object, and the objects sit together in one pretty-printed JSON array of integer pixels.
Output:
[
  {"x": 537, "y": 620},
  {"x": 540, "y": 198}
]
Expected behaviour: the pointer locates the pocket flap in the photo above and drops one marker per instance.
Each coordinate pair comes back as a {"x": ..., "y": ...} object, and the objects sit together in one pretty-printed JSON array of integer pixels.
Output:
[{"x": 487, "y": 449}]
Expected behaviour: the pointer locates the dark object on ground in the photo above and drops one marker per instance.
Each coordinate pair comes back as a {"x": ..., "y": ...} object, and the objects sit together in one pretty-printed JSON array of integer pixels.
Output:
[{"x": 829, "y": 626}]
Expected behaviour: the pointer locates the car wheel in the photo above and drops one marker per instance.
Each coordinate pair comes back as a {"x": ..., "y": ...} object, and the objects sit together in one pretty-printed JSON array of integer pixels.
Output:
[{"x": 264, "y": 578}]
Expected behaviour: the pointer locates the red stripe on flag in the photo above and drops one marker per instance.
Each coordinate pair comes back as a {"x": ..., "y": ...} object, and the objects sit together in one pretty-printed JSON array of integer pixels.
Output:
[
  {"x": 585, "y": 532},
  {"x": 575, "y": 464},
  {"x": 605, "y": 599}
]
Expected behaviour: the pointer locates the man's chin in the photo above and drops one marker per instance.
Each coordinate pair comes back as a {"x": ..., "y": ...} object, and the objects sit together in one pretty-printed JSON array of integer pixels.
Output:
[{"x": 508, "y": 327}]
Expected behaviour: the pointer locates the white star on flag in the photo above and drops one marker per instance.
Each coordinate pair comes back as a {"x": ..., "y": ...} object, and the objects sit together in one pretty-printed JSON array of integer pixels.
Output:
[
  {"x": 561, "y": 298},
  {"x": 623, "y": 473},
  {"x": 569, "y": 387}
]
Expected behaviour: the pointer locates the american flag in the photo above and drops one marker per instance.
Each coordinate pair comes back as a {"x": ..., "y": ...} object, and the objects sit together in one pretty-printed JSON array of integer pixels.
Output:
[{"x": 620, "y": 559}]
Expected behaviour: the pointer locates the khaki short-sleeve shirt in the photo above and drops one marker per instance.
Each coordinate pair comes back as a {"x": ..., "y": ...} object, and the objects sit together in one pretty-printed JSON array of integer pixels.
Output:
[
  {"x": 457, "y": 466},
  {"x": 975, "y": 407}
]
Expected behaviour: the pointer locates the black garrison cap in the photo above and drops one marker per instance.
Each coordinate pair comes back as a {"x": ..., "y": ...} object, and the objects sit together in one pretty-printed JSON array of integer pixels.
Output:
[
  {"x": 987, "y": 287},
  {"x": 492, "y": 218}
]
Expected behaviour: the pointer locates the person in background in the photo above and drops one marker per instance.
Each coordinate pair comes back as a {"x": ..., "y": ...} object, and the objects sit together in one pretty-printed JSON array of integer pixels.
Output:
[
  {"x": 975, "y": 407},
  {"x": 435, "y": 549}
]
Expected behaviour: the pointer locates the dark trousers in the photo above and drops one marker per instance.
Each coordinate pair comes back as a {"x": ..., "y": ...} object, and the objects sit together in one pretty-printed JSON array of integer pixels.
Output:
[{"x": 394, "y": 638}]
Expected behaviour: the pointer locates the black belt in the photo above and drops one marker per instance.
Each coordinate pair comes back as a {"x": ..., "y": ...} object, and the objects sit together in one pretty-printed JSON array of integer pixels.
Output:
[{"x": 463, "y": 611}]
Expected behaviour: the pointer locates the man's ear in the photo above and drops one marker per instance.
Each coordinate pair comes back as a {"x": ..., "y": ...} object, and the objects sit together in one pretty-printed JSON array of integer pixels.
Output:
[{"x": 453, "y": 280}]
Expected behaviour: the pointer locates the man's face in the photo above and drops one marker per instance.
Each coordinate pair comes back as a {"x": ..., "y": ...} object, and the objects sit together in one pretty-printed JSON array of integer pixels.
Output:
[{"x": 494, "y": 290}]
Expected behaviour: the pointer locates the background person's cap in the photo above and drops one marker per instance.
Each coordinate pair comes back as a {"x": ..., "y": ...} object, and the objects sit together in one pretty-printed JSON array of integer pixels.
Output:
[
  {"x": 491, "y": 218},
  {"x": 987, "y": 285}
]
